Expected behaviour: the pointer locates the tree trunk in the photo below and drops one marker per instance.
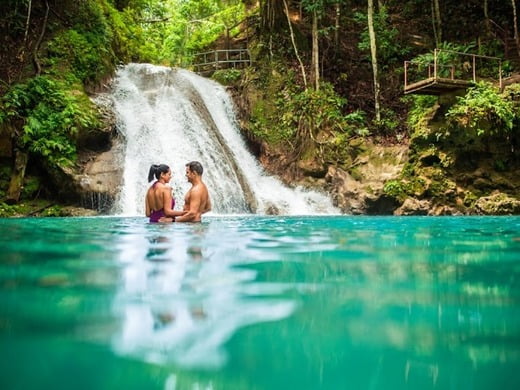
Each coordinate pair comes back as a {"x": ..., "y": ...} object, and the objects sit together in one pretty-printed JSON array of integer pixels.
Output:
[
  {"x": 271, "y": 14},
  {"x": 28, "y": 21},
  {"x": 36, "y": 61},
  {"x": 373, "y": 51},
  {"x": 486, "y": 18},
  {"x": 436, "y": 20},
  {"x": 336, "y": 28},
  {"x": 515, "y": 25},
  {"x": 16, "y": 184},
  {"x": 302, "y": 68},
  {"x": 315, "y": 52}
]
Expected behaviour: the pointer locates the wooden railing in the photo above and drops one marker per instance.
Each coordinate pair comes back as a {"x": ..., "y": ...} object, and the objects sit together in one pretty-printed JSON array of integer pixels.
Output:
[
  {"x": 448, "y": 71},
  {"x": 221, "y": 59}
]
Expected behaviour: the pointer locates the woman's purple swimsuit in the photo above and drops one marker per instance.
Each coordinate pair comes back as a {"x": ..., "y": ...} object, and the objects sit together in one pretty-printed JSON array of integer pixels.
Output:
[{"x": 158, "y": 214}]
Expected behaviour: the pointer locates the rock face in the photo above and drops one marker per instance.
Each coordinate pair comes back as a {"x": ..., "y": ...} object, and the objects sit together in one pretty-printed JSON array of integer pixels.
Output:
[
  {"x": 498, "y": 204},
  {"x": 101, "y": 178},
  {"x": 94, "y": 181},
  {"x": 361, "y": 190}
]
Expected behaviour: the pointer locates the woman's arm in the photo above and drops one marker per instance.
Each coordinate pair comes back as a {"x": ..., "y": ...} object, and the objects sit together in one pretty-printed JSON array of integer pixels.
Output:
[
  {"x": 167, "y": 204},
  {"x": 148, "y": 211}
]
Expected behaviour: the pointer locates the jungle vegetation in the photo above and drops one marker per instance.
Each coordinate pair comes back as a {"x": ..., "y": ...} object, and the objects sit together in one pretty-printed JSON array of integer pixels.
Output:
[{"x": 324, "y": 71}]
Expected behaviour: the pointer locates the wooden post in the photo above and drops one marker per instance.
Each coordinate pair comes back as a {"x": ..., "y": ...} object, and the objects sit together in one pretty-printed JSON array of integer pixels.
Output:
[
  {"x": 474, "y": 71},
  {"x": 435, "y": 64},
  {"x": 405, "y": 74},
  {"x": 500, "y": 74}
]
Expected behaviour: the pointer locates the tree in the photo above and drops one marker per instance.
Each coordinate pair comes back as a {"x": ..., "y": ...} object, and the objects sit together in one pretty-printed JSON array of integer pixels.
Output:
[
  {"x": 271, "y": 17},
  {"x": 316, "y": 8},
  {"x": 315, "y": 61},
  {"x": 373, "y": 52},
  {"x": 515, "y": 26},
  {"x": 337, "y": 16},
  {"x": 302, "y": 68},
  {"x": 436, "y": 22}
]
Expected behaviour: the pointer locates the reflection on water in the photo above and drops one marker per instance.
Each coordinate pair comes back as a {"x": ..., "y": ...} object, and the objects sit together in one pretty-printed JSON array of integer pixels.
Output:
[
  {"x": 261, "y": 303},
  {"x": 182, "y": 300}
]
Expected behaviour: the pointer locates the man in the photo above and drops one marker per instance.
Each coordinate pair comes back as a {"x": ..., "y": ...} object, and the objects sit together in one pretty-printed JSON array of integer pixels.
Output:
[{"x": 196, "y": 201}]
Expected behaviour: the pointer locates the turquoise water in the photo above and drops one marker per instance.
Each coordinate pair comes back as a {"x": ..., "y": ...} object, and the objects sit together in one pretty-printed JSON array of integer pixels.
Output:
[{"x": 260, "y": 303}]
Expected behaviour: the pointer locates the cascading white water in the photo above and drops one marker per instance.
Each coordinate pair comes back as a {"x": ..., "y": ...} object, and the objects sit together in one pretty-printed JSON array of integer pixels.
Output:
[{"x": 172, "y": 116}]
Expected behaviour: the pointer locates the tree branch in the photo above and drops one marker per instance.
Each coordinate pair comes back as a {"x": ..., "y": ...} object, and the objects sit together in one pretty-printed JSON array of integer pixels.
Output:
[{"x": 39, "y": 42}]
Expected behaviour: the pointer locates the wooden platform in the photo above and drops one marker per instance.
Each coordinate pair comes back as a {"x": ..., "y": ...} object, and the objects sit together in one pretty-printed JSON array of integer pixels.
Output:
[{"x": 436, "y": 86}]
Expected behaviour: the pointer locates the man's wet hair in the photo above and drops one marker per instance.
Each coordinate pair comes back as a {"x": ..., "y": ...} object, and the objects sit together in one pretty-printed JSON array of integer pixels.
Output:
[{"x": 195, "y": 166}]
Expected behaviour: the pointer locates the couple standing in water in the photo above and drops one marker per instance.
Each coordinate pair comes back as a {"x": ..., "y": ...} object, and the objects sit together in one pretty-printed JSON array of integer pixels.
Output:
[{"x": 159, "y": 202}]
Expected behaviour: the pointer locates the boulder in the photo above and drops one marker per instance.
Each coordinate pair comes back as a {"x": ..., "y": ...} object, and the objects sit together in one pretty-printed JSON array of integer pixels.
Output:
[
  {"x": 412, "y": 206},
  {"x": 498, "y": 203}
]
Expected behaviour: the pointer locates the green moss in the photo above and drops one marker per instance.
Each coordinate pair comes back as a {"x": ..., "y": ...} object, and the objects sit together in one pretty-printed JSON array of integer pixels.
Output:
[
  {"x": 30, "y": 187},
  {"x": 38, "y": 207},
  {"x": 356, "y": 174},
  {"x": 227, "y": 76},
  {"x": 470, "y": 199}
]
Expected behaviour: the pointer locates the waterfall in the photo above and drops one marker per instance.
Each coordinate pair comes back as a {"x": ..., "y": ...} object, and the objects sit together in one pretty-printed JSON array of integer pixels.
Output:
[{"x": 173, "y": 116}]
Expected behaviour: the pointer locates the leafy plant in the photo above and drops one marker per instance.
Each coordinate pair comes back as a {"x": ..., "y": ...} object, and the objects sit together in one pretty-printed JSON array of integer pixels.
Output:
[
  {"x": 51, "y": 115},
  {"x": 483, "y": 110},
  {"x": 420, "y": 106},
  {"x": 227, "y": 76},
  {"x": 389, "y": 49}
]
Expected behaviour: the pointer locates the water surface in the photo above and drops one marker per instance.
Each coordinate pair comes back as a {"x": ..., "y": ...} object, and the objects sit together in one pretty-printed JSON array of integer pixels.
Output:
[{"x": 251, "y": 302}]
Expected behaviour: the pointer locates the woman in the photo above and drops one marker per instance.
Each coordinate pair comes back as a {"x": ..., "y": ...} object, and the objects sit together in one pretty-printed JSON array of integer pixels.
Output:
[{"x": 159, "y": 202}]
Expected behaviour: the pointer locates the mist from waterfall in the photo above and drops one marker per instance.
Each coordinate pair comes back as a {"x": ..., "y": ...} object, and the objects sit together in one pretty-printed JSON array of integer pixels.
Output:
[{"x": 173, "y": 116}]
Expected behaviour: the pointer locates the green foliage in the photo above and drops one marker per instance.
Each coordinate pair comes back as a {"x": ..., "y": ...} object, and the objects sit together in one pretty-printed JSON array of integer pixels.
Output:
[
  {"x": 482, "y": 110},
  {"x": 51, "y": 113},
  {"x": 395, "y": 189},
  {"x": 227, "y": 76},
  {"x": 82, "y": 52},
  {"x": 30, "y": 188},
  {"x": 87, "y": 49},
  {"x": 310, "y": 112},
  {"x": 388, "y": 122},
  {"x": 198, "y": 23},
  {"x": 5, "y": 177},
  {"x": 389, "y": 49},
  {"x": 449, "y": 52},
  {"x": 357, "y": 120},
  {"x": 285, "y": 113},
  {"x": 421, "y": 105},
  {"x": 402, "y": 188},
  {"x": 39, "y": 208}
]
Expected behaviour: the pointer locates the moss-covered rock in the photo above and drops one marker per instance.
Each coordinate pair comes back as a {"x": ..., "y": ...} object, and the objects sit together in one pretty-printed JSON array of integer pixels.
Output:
[{"x": 498, "y": 203}]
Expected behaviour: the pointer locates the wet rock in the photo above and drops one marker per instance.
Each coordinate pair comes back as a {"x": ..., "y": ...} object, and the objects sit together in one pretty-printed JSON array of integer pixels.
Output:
[
  {"x": 360, "y": 191},
  {"x": 412, "y": 206},
  {"x": 445, "y": 210},
  {"x": 498, "y": 204},
  {"x": 312, "y": 168}
]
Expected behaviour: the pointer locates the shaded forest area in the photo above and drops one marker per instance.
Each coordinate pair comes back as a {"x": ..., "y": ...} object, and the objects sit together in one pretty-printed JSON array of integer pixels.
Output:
[{"x": 327, "y": 78}]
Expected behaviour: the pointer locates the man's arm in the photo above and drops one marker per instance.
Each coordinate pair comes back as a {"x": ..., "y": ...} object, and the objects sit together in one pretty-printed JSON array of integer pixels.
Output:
[{"x": 192, "y": 214}]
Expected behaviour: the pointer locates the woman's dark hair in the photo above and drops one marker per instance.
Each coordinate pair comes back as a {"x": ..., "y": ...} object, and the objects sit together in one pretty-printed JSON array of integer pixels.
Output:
[
  {"x": 195, "y": 166},
  {"x": 156, "y": 170}
]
